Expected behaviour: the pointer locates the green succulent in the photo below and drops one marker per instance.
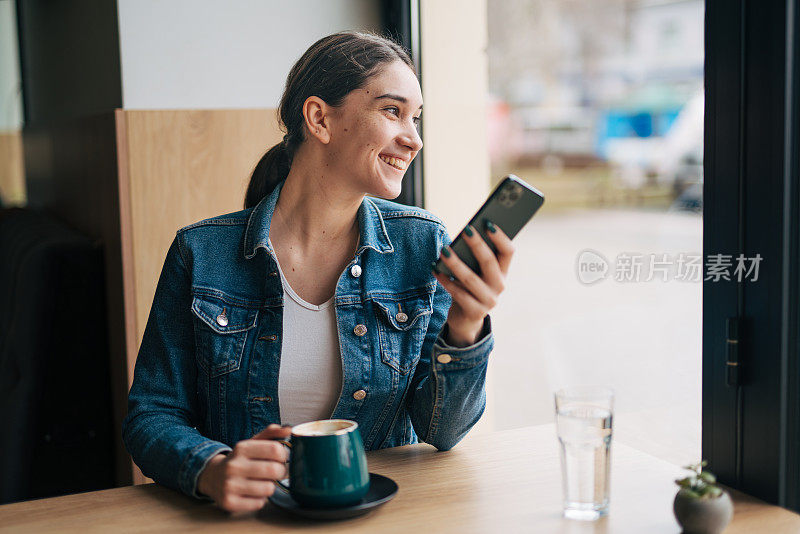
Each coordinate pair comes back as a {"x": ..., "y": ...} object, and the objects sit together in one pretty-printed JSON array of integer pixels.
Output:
[{"x": 701, "y": 484}]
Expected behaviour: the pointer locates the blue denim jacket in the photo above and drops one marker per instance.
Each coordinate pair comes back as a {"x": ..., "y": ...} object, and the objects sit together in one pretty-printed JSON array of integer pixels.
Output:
[{"x": 206, "y": 375}]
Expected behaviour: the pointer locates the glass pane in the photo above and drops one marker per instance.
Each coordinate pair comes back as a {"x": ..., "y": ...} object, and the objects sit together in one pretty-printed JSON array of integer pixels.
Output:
[
  {"x": 599, "y": 104},
  {"x": 12, "y": 177}
]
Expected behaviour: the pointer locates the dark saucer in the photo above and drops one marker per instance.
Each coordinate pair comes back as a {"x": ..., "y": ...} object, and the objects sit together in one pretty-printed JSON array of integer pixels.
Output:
[{"x": 381, "y": 490}]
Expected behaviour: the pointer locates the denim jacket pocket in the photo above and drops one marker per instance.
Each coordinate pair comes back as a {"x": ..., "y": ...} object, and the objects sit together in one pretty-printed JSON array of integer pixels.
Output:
[
  {"x": 402, "y": 324},
  {"x": 221, "y": 333}
]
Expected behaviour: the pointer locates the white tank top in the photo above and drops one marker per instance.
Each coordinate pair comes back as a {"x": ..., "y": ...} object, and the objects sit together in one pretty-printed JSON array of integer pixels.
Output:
[{"x": 310, "y": 375}]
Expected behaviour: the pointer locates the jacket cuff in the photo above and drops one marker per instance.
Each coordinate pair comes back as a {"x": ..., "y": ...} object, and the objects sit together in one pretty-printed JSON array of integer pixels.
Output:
[
  {"x": 195, "y": 462},
  {"x": 450, "y": 356}
]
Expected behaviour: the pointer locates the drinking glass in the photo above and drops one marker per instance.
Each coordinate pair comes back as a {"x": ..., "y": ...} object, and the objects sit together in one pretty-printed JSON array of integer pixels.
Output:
[{"x": 583, "y": 423}]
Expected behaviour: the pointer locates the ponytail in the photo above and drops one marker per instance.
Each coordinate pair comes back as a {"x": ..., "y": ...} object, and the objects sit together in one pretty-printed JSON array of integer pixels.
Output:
[{"x": 272, "y": 169}]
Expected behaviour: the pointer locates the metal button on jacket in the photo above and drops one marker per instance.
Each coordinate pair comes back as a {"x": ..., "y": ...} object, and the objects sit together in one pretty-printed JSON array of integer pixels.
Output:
[
  {"x": 401, "y": 317},
  {"x": 360, "y": 330},
  {"x": 222, "y": 319},
  {"x": 444, "y": 358},
  {"x": 360, "y": 394},
  {"x": 355, "y": 270}
]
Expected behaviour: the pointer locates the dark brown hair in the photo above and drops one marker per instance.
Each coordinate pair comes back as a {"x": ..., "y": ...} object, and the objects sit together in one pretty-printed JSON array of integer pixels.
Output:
[{"x": 329, "y": 69}]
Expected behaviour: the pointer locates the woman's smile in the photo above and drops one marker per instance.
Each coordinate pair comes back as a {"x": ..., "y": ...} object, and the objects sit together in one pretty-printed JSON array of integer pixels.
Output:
[{"x": 394, "y": 162}]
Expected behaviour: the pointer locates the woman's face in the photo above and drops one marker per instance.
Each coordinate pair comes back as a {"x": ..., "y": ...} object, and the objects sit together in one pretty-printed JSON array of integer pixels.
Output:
[{"x": 374, "y": 134}]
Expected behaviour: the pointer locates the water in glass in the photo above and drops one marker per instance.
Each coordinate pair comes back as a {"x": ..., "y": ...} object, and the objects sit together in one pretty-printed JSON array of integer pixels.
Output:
[{"x": 584, "y": 433}]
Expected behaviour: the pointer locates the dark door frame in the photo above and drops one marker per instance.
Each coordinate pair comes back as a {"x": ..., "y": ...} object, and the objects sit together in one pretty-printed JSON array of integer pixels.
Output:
[
  {"x": 401, "y": 21},
  {"x": 751, "y": 405}
]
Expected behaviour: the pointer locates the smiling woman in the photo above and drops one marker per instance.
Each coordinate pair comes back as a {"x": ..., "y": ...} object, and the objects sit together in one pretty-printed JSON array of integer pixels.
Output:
[
  {"x": 354, "y": 93},
  {"x": 317, "y": 300}
]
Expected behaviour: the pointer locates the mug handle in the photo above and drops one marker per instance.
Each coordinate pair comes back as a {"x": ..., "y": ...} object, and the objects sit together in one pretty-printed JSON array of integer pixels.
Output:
[{"x": 278, "y": 483}]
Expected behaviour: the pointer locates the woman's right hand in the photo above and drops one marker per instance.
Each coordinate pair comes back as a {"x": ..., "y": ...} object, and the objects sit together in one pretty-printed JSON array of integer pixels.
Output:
[{"x": 241, "y": 480}]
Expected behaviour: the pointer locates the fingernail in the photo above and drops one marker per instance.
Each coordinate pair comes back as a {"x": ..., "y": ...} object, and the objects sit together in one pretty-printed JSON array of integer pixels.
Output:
[
  {"x": 468, "y": 231},
  {"x": 433, "y": 267},
  {"x": 446, "y": 252},
  {"x": 491, "y": 227}
]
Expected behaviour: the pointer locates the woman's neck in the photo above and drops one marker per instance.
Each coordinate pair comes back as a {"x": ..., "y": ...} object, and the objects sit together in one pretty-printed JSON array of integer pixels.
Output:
[{"x": 314, "y": 211}]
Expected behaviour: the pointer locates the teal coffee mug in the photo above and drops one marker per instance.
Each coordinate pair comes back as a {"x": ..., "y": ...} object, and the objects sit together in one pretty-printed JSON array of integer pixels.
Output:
[{"x": 327, "y": 464}]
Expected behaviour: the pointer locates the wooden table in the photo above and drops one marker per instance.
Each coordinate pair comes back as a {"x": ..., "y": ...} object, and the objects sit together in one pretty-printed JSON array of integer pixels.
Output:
[{"x": 502, "y": 482}]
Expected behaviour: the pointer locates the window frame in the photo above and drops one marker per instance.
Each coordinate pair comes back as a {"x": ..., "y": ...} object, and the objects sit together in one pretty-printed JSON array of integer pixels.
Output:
[
  {"x": 401, "y": 20},
  {"x": 751, "y": 401}
]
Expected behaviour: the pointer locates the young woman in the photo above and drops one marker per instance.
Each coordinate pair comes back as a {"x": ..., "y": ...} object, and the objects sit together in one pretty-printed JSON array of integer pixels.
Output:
[{"x": 317, "y": 301}]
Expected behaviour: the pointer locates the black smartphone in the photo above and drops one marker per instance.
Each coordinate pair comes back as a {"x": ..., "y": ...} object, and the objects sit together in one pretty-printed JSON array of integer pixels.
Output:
[{"x": 510, "y": 206}]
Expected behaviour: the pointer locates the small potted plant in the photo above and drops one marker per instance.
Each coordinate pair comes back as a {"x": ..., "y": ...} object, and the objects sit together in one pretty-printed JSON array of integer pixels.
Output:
[{"x": 701, "y": 507}]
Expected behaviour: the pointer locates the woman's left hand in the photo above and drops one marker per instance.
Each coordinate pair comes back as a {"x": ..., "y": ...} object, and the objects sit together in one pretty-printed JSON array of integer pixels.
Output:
[{"x": 473, "y": 295}]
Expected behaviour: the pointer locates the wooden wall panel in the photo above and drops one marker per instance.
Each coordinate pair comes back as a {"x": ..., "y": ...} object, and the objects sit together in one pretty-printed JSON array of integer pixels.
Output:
[
  {"x": 182, "y": 166},
  {"x": 177, "y": 167},
  {"x": 12, "y": 175}
]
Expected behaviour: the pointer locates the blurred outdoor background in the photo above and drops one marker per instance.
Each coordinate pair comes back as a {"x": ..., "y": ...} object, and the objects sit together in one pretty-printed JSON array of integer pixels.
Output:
[{"x": 599, "y": 104}]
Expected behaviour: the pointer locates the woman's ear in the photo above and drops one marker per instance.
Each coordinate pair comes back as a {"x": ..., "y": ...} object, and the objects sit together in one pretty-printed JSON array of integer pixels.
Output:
[{"x": 317, "y": 118}]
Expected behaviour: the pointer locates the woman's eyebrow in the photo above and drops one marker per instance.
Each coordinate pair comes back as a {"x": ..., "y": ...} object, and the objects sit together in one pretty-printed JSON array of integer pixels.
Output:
[{"x": 391, "y": 96}]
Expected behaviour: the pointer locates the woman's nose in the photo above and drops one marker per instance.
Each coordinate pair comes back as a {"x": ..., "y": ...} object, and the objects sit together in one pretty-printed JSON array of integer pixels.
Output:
[{"x": 411, "y": 139}]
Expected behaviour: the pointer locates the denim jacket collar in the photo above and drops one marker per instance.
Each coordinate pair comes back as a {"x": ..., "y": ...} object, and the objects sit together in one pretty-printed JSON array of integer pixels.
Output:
[{"x": 370, "y": 223}]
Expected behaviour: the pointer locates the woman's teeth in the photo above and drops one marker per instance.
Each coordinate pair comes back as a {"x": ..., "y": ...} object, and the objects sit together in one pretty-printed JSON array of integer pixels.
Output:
[{"x": 395, "y": 162}]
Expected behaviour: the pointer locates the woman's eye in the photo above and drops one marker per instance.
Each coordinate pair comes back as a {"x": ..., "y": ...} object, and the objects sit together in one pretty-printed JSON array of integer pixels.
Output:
[{"x": 394, "y": 110}]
